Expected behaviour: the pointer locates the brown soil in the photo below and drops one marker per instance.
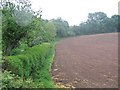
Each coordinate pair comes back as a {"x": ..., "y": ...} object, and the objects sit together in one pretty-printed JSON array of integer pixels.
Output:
[{"x": 89, "y": 61}]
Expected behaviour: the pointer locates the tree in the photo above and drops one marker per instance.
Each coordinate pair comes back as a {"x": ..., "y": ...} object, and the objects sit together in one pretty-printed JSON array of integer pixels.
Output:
[
  {"x": 50, "y": 31},
  {"x": 96, "y": 17},
  {"x": 13, "y": 29},
  {"x": 95, "y": 21},
  {"x": 116, "y": 22},
  {"x": 98, "y": 22},
  {"x": 61, "y": 27}
]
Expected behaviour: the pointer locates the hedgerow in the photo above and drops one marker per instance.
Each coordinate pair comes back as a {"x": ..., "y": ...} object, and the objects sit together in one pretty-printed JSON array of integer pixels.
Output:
[{"x": 32, "y": 64}]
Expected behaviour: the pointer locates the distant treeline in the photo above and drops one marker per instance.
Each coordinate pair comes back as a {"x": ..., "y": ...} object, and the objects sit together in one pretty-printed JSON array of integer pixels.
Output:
[{"x": 96, "y": 23}]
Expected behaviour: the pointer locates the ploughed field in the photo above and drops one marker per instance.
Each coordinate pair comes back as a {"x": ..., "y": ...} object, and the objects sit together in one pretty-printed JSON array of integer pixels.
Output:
[{"x": 89, "y": 61}]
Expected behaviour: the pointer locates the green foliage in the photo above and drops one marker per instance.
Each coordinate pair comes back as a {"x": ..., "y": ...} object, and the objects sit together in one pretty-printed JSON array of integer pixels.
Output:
[
  {"x": 32, "y": 66},
  {"x": 14, "y": 81},
  {"x": 19, "y": 49},
  {"x": 36, "y": 32},
  {"x": 21, "y": 23},
  {"x": 41, "y": 31},
  {"x": 28, "y": 62},
  {"x": 23, "y": 31},
  {"x": 96, "y": 17},
  {"x": 96, "y": 23},
  {"x": 12, "y": 30},
  {"x": 62, "y": 27},
  {"x": 50, "y": 31}
]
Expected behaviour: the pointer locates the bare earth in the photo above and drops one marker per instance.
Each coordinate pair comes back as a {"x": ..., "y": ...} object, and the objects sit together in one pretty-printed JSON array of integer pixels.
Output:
[{"x": 89, "y": 61}]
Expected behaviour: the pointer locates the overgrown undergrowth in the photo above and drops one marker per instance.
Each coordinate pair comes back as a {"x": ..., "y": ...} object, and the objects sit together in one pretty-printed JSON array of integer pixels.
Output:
[{"x": 30, "y": 69}]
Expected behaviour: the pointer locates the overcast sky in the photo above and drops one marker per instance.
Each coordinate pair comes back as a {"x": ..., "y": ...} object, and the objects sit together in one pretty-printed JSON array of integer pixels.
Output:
[{"x": 74, "y": 11}]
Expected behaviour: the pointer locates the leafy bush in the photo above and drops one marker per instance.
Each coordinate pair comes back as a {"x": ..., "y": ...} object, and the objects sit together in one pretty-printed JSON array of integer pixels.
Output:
[
  {"x": 19, "y": 49},
  {"x": 30, "y": 61},
  {"x": 32, "y": 65},
  {"x": 14, "y": 81}
]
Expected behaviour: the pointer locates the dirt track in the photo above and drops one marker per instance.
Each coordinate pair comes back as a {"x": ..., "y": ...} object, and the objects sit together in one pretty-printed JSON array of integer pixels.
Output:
[{"x": 87, "y": 61}]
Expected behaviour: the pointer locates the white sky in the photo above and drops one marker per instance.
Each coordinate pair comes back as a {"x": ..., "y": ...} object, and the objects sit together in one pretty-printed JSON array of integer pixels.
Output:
[{"x": 74, "y": 11}]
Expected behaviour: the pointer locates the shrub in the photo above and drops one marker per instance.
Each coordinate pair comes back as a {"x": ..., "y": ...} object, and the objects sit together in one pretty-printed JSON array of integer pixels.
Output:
[
  {"x": 29, "y": 62},
  {"x": 14, "y": 81}
]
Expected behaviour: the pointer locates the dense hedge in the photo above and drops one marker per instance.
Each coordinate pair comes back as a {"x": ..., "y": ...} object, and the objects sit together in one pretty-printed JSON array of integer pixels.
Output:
[
  {"x": 30, "y": 69},
  {"x": 30, "y": 62}
]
